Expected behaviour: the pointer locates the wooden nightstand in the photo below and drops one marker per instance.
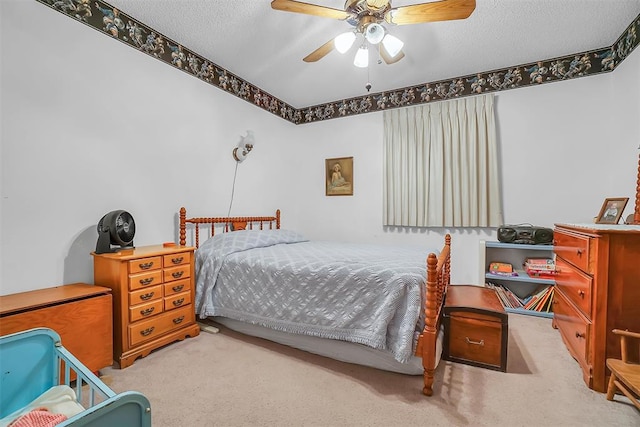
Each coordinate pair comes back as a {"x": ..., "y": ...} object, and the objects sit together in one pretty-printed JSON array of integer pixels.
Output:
[
  {"x": 476, "y": 327},
  {"x": 153, "y": 294}
]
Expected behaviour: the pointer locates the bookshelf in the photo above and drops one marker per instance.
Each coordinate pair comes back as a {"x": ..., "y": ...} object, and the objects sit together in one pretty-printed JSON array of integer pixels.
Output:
[{"x": 523, "y": 285}]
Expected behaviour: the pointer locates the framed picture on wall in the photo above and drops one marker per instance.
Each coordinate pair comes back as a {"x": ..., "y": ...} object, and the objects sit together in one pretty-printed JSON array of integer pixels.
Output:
[
  {"x": 611, "y": 210},
  {"x": 339, "y": 176}
]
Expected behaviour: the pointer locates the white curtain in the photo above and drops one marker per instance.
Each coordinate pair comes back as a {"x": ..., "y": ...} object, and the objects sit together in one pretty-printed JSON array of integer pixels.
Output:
[{"x": 441, "y": 165}]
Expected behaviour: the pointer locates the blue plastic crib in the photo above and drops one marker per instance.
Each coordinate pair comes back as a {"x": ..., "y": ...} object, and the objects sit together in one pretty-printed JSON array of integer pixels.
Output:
[{"x": 33, "y": 361}]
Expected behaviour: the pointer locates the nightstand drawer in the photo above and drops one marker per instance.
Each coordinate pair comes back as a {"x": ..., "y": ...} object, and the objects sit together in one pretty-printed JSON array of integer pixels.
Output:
[
  {"x": 145, "y": 264},
  {"x": 176, "y": 273},
  {"x": 177, "y": 300},
  {"x": 143, "y": 280},
  {"x": 146, "y": 330},
  {"x": 177, "y": 287},
  {"x": 145, "y": 295},
  {"x": 173, "y": 260}
]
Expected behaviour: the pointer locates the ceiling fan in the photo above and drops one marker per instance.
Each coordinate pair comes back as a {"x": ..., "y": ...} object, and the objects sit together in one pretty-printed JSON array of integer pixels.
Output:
[{"x": 367, "y": 16}]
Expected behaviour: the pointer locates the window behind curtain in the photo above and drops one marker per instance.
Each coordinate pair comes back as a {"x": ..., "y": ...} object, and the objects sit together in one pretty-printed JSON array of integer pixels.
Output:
[{"x": 440, "y": 165}]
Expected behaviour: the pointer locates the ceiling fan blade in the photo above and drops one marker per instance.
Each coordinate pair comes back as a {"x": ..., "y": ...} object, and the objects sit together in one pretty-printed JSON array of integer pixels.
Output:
[
  {"x": 444, "y": 10},
  {"x": 309, "y": 9},
  {"x": 388, "y": 59},
  {"x": 320, "y": 52}
]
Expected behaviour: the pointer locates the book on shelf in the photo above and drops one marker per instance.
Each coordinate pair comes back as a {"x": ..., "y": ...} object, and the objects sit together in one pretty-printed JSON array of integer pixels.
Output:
[
  {"x": 539, "y": 300},
  {"x": 540, "y": 261},
  {"x": 543, "y": 303},
  {"x": 541, "y": 274},
  {"x": 500, "y": 267},
  {"x": 539, "y": 264},
  {"x": 506, "y": 297}
]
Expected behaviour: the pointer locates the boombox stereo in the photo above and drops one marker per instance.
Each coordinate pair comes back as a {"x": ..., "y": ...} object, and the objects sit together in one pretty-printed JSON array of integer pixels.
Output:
[{"x": 525, "y": 234}]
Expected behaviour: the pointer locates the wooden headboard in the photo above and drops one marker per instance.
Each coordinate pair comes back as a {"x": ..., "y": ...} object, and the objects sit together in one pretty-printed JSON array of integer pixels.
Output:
[{"x": 226, "y": 224}]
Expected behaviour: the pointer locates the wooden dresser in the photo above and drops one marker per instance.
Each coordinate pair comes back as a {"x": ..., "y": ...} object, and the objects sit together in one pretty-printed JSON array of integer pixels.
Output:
[
  {"x": 153, "y": 295},
  {"x": 79, "y": 313},
  {"x": 597, "y": 290}
]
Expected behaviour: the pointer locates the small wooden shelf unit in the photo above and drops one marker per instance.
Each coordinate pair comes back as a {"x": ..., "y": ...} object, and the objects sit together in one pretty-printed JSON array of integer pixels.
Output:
[{"x": 515, "y": 254}]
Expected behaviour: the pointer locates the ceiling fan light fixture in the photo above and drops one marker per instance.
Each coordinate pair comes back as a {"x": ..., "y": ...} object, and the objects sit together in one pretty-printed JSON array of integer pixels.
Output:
[
  {"x": 362, "y": 57},
  {"x": 392, "y": 44},
  {"x": 374, "y": 33},
  {"x": 344, "y": 41}
]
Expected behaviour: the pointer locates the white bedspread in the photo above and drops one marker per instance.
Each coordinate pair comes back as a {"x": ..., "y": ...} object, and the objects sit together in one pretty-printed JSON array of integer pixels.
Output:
[{"x": 365, "y": 294}]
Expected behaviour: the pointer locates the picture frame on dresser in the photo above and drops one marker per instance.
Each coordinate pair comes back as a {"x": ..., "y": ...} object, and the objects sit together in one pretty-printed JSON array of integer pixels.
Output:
[{"x": 611, "y": 210}]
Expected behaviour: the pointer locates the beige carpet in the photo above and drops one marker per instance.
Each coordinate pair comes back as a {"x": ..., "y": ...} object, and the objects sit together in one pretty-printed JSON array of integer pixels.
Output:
[{"x": 228, "y": 379}]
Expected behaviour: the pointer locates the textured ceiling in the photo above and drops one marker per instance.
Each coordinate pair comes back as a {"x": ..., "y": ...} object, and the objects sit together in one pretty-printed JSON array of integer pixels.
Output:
[{"x": 265, "y": 47}]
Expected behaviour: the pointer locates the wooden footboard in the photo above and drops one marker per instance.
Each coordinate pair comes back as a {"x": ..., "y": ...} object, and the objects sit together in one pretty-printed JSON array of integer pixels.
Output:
[{"x": 438, "y": 279}]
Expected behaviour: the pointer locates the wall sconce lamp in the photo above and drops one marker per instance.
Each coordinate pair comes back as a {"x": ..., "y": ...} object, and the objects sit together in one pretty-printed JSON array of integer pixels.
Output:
[{"x": 244, "y": 147}]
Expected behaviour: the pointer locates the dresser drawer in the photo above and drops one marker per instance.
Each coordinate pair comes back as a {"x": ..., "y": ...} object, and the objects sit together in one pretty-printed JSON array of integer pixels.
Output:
[
  {"x": 146, "y": 330},
  {"x": 573, "y": 327},
  {"x": 180, "y": 258},
  {"x": 574, "y": 248},
  {"x": 145, "y": 295},
  {"x": 177, "y": 287},
  {"x": 575, "y": 284},
  {"x": 176, "y": 273},
  {"x": 177, "y": 300},
  {"x": 145, "y": 264},
  {"x": 144, "y": 280},
  {"x": 142, "y": 311}
]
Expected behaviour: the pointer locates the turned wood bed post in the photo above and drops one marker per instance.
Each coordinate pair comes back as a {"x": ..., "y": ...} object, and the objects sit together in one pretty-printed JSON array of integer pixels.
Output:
[
  {"x": 183, "y": 226},
  {"x": 636, "y": 214},
  {"x": 438, "y": 278}
]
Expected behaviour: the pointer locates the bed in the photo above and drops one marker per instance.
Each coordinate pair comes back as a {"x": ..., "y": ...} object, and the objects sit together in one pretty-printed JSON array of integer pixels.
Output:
[
  {"x": 37, "y": 390},
  {"x": 378, "y": 306}
]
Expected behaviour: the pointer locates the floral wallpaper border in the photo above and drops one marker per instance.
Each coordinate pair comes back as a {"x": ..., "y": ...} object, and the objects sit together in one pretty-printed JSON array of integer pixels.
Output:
[{"x": 118, "y": 25}]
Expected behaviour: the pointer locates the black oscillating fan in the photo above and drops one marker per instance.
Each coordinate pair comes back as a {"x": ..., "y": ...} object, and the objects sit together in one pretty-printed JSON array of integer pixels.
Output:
[{"x": 115, "y": 228}]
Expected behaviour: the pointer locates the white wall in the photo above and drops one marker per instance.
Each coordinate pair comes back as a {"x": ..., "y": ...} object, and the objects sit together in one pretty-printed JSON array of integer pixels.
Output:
[{"x": 89, "y": 125}]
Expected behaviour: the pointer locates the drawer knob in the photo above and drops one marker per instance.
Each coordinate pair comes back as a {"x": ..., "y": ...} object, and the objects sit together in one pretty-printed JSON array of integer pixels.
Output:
[
  {"x": 480, "y": 343},
  {"x": 580, "y": 335},
  {"x": 579, "y": 252},
  {"x": 178, "y": 320},
  {"x": 581, "y": 293},
  {"x": 146, "y": 265},
  {"x": 177, "y": 260},
  {"x": 177, "y": 274},
  {"x": 146, "y": 281},
  {"x": 147, "y": 296},
  {"x": 147, "y": 311},
  {"x": 178, "y": 302},
  {"x": 177, "y": 288},
  {"x": 146, "y": 332}
]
